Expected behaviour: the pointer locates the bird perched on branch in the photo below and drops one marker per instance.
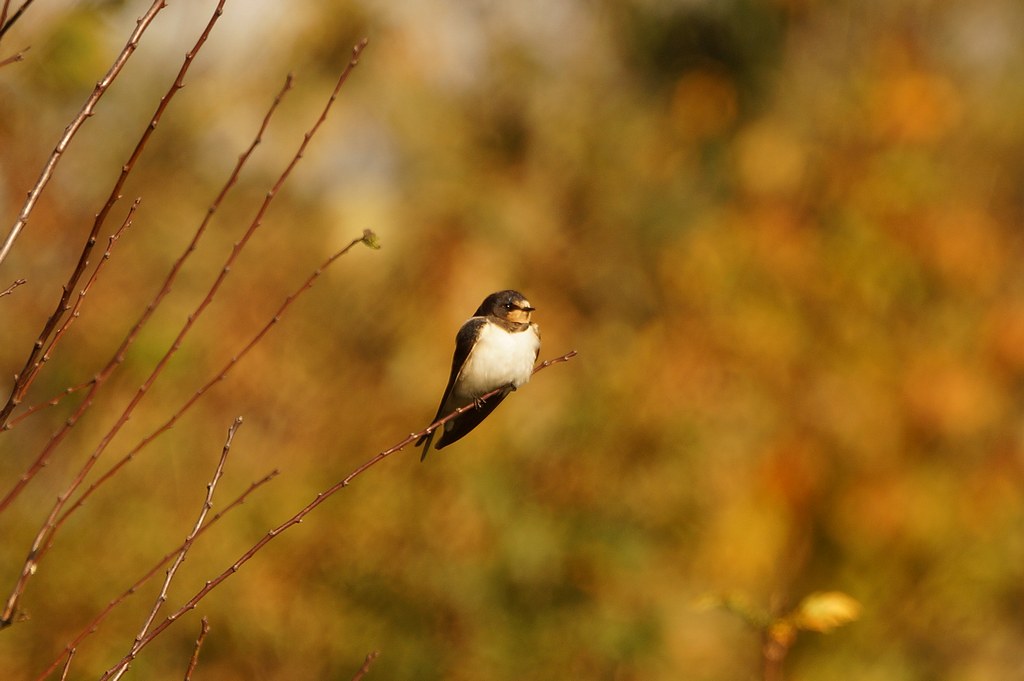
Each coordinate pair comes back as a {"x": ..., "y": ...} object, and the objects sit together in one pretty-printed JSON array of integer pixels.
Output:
[{"x": 495, "y": 348}]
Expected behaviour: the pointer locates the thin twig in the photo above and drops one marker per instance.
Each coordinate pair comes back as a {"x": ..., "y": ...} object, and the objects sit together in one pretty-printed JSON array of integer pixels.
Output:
[
  {"x": 6, "y": 25},
  {"x": 204, "y": 629},
  {"x": 10, "y": 289},
  {"x": 54, "y": 523},
  {"x": 77, "y": 307},
  {"x": 168, "y": 281},
  {"x": 302, "y": 513},
  {"x": 33, "y": 364},
  {"x": 33, "y": 195},
  {"x": 173, "y": 569},
  {"x": 43, "y": 538},
  {"x": 461, "y": 410},
  {"x": 217, "y": 378},
  {"x": 75, "y": 312},
  {"x": 14, "y": 58},
  {"x": 67, "y": 665},
  {"x": 52, "y": 402},
  {"x": 370, "y": 657},
  {"x": 87, "y": 110},
  {"x": 368, "y": 238},
  {"x": 94, "y": 625},
  {"x": 132, "y": 334}
]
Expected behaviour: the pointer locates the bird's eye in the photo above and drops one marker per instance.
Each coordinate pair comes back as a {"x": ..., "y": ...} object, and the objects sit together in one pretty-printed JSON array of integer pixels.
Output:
[{"x": 509, "y": 306}]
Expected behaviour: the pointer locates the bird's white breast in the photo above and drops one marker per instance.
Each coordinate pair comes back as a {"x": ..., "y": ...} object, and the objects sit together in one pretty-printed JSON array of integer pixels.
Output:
[{"x": 498, "y": 358}]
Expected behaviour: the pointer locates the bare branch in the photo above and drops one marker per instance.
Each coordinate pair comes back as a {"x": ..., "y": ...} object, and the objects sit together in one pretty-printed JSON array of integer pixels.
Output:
[
  {"x": 367, "y": 237},
  {"x": 204, "y": 629},
  {"x": 52, "y": 402},
  {"x": 44, "y": 536},
  {"x": 441, "y": 421},
  {"x": 173, "y": 569},
  {"x": 300, "y": 515},
  {"x": 5, "y": 23},
  {"x": 217, "y": 378},
  {"x": 67, "y": 665},
  {"x": 75, "y": 312},
  {"x": 16, "y": 57},
  {"x": 118, "y": 357},
  {"x": 33, "y": 364},
  {"x": 175, "y": 269},
  {"x": 370, "y": 657},
  {"x": 10, "y": 289},
  {"x": 87, "y": 110},
  {"x": 76, "y": 309},
  {"x": 94, "y": 625}
]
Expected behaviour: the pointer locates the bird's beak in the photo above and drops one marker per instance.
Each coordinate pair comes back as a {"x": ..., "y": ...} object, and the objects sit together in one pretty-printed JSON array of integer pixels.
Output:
[{"x": 520, "y": 314}]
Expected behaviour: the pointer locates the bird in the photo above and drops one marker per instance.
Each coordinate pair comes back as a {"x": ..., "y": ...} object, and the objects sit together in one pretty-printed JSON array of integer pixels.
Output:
[{"x": 495, "y": 348}]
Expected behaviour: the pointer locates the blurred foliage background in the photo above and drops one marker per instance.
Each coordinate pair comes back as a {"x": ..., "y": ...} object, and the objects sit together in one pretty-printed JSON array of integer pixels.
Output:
[{"x": 784, "y": 236}]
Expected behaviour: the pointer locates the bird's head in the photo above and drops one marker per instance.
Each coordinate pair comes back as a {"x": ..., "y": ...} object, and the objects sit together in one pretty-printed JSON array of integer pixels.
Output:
[{"x": 510, "y": 305}]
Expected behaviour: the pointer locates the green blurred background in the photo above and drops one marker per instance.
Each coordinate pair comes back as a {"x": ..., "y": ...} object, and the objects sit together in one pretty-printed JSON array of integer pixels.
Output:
[{"x": 784, "y": 236}]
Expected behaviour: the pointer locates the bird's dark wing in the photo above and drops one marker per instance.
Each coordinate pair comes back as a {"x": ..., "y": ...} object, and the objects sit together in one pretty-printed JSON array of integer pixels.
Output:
[
  {"x": 462, "y": 424},
  {"x": 464, "y": 342}
]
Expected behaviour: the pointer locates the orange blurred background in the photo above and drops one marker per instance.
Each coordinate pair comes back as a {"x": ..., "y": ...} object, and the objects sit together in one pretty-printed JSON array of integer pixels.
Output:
[{"x": 783, "y": 235}]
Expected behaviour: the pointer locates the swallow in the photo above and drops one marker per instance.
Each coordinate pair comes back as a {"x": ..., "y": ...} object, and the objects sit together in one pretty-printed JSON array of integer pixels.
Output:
[{"x": 495, "y": 348}]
